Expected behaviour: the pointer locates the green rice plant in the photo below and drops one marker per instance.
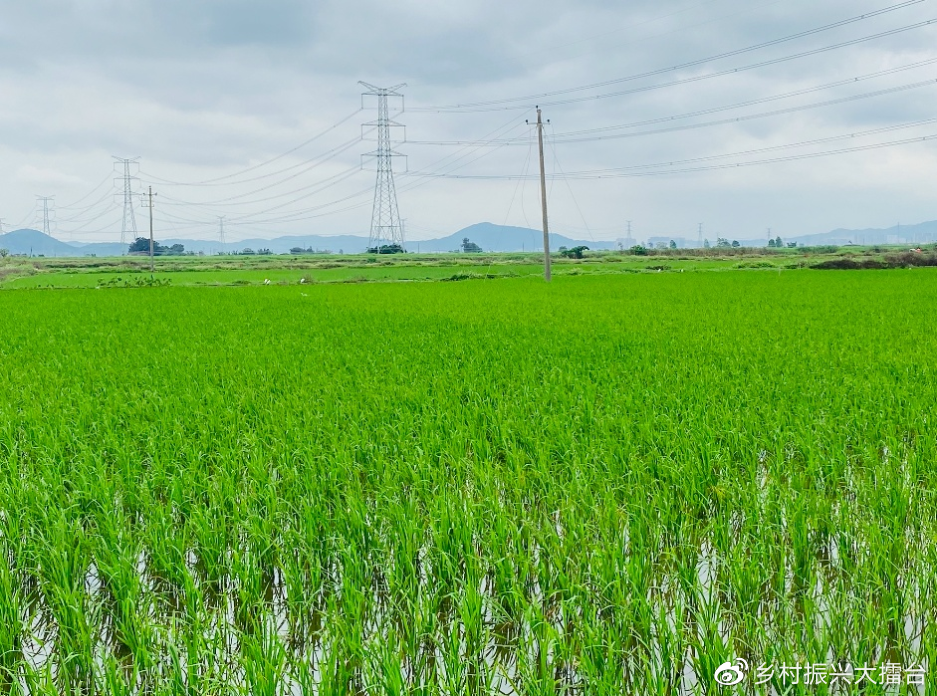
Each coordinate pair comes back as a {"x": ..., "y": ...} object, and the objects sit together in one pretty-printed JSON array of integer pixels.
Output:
[{"x": 429, "y": 488}]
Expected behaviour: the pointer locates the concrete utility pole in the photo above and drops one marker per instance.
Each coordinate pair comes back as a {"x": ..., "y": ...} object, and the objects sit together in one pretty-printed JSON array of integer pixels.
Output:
[
  {"x": 543, "y": 201},
  {"x": 149, "y": 204}
]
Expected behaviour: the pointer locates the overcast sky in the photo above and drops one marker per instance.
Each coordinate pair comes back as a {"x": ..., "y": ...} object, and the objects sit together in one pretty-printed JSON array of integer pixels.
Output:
[{"x": 202, "y": 89}]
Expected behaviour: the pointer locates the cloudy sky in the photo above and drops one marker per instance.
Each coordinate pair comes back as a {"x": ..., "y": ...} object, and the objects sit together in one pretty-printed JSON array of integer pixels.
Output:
[{"x": 207, "y": 92}]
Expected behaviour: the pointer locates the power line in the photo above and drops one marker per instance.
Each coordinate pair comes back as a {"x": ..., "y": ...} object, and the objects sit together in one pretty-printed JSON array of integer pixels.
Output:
[
  {"x": 752, "y": 117},
  {"x": 565, "y": 137},
  {"x": 569, "y": 188},
  {"x": 237, "y": 199},
  {"x": 79, "y": 213},
  {"x": 725, "y": 107},
  {"x": 207, "y": 182},
  {"x": 600, "y": 173},
  {"x": 788, "y": 158},
  {"x": 681, "y": 66},
  {"x": 725, "y": 72},
  {"x": 88, "y": 195}
]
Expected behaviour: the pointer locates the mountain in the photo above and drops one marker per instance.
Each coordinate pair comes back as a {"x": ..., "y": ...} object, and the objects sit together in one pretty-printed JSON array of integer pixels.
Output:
[
  {"x": 491, "y": 237},
  {"x": 919, "y": 233},
  {"x": 488, "y": 236},
  {"x": 347, "y": 244},
  {"x": 99, "y": 248},
  {"x": 35, "y": 243}
]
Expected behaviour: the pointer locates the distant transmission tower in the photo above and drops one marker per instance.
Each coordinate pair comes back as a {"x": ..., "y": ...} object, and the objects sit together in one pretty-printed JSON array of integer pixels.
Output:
[
  {"x": 130, "y": 221},
  {"x": 386, "y": 227},
  {"x": 47, "y": 212},
  {"x": 221, "y": 230}
]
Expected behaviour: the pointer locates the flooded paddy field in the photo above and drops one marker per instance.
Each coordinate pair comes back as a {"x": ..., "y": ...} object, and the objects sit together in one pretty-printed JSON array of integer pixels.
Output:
[{"x": 609, "y": 484}]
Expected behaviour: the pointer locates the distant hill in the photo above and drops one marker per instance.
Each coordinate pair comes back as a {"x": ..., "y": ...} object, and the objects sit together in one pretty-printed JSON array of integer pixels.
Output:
[
  {"x": 920, "y": 233},
  {"x": 36, "y": 243},
  {"x": 346, "y": 243},
  {"x": 488, "y": 236},
  {"x": 491, "y": 237}
]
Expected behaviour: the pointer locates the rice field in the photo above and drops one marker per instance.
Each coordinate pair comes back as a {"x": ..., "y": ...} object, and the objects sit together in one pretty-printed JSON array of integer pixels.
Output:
[
  {"x": 610, "y": 484},
  {"x": 80, "y": 273}
]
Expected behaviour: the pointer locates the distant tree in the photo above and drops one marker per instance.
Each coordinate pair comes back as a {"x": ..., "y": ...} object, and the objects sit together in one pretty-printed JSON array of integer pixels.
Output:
[
  {"x": 264, "y": 252},
  {"x": 735, "y": 244},
  {"x": 638, "y": 250},
  {"x": 722, "y": 242},
  {"x": 470, "y": 247},
  {"x": 297, "y": 250},
  {"x": 574, "y": 253},
  {"x": 387, "y": 249},
  {"x": 140, "y": 244},
  {"x": 4, "y": 253},
  {"x": 247, "y": 251},
  {"x": 778, "y": 243},
  {"x": 706, "y": 244},
  {"x": 673, "y": 244},
  {"x": 771, "y": 243}
]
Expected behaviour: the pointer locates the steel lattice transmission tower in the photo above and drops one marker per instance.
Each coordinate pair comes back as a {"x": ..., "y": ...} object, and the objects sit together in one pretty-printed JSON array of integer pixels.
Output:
[
  {"x": 129, "y": 223},
  {"x": 46, "y": 202},
  {"x": 386, "y": 226}
]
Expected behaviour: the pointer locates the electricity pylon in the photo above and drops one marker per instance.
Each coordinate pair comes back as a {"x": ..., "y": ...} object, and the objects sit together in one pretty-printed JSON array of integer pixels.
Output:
[
  {"x": 129, "y": 223},
  {"x": 47, "y": 203},
  {"x": 386, "y": 228}
]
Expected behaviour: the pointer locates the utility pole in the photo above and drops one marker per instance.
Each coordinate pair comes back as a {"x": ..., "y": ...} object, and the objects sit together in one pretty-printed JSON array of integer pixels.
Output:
[
  {"x": 46, "y": 214},
  {"x": 543, "y": 201},
  {"x": 700, "y": 241},
  {"x": 149, "y": 204},
  {"x": 386, "y": 226},
  {"x": 129, "y": 223}
]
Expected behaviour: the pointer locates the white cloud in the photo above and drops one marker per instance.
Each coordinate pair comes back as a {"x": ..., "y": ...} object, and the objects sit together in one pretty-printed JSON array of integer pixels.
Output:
[
  {"x": 203, "y": 89},
  {"x": 42, "y": 177}
]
